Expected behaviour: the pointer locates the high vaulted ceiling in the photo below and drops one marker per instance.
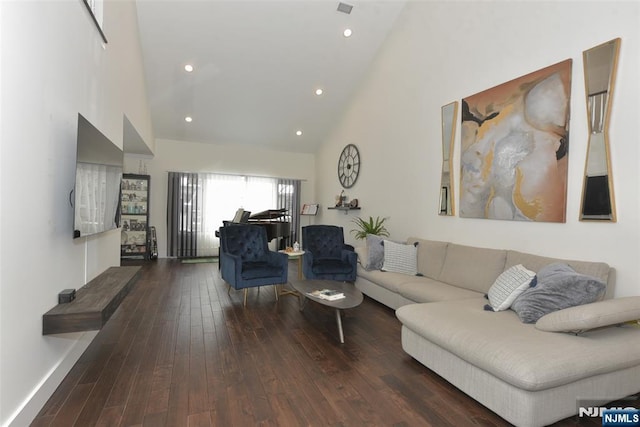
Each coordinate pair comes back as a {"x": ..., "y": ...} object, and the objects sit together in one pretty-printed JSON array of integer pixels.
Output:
[{"x": 257, "y": 65}]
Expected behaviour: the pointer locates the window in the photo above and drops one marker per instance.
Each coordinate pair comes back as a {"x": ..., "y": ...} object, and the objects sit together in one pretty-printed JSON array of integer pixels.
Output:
[{"x": 199, "y": 203}]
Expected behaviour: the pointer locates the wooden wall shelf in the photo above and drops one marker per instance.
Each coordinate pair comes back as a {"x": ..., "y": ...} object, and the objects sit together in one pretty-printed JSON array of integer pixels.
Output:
[
  {"x": 94, "y": 304},
  {"x": 346, "y": 209}
]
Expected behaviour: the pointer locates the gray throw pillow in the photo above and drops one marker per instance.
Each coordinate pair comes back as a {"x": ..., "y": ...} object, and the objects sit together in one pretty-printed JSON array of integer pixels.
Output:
[
  {"x": 558, "y": 287},
  {"x": 375, "y": 250}
]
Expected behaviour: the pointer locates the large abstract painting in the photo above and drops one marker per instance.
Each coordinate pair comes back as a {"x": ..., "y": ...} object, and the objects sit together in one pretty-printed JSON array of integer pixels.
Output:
[{"x": 515, "y": 140}]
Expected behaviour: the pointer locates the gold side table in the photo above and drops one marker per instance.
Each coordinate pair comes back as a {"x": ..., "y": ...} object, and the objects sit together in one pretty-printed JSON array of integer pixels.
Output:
[{"x": 293, "y": 255}]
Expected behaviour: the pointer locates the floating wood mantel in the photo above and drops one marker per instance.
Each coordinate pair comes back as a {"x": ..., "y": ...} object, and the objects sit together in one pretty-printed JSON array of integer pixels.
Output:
[{"x": 94, "y": 304}]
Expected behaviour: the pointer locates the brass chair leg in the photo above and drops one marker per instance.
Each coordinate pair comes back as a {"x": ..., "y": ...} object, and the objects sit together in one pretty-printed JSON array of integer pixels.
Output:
[
  {"x": 245, "y": 296},
  {"x": 275, "y": 288},
  {"x": 228, "y": 289}
]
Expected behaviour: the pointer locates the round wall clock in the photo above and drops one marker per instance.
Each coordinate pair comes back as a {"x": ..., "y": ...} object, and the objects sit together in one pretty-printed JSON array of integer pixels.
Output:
[{"x": 349, "y": 166}]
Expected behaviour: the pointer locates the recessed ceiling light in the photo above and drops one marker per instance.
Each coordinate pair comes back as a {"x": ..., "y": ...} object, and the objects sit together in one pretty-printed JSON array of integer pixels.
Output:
[
  {"x": 347, "y": 32},
  {"x": 188, "y": 68},
  {"x": 299, "y": 132},
  {"x": 319, "y": 91},
  {"x": 188, "y": 119}
]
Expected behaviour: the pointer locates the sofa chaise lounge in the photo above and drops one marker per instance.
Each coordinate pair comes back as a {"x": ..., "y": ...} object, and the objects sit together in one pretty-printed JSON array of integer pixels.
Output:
[{"x": 529, "y": 374}]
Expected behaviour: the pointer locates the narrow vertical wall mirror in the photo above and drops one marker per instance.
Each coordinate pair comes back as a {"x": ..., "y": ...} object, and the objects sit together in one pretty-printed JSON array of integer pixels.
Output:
[
  {"x": 600, "y": 64},
  {"x": 449, "y": 114}
]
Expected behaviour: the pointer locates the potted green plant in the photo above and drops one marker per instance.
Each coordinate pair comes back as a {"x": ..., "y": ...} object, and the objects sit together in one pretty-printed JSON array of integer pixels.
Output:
[{"x": 372, "y": 226}]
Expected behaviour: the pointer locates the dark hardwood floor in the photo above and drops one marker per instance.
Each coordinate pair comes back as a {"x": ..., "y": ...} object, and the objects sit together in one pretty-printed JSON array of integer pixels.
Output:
[{"x": 181, "y": 351}]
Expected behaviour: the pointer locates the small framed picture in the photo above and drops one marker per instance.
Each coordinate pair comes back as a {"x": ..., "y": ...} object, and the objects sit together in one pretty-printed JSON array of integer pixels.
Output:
[{"x": 309, "y": 209}]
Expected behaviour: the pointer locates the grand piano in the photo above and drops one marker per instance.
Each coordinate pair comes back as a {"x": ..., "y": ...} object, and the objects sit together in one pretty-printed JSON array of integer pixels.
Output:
[{"x": 274, "y": 221}]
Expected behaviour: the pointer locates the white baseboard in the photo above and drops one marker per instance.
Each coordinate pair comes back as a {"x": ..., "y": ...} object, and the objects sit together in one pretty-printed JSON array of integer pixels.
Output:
[{"x": 28, "y": 410}]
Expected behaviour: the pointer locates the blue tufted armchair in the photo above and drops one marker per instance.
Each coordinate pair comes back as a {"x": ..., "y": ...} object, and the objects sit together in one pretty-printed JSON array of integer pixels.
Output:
[
  {"x": 326, "y": 255},
  {"x": 246, "y": 260}
]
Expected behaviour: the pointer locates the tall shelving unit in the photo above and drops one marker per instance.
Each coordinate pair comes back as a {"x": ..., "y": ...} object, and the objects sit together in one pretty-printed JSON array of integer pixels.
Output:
[{"x": 135, "y": 216}]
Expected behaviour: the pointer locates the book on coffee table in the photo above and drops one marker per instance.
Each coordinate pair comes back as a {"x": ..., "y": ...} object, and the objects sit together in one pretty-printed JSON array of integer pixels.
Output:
[{"x": 328, "y": 294}]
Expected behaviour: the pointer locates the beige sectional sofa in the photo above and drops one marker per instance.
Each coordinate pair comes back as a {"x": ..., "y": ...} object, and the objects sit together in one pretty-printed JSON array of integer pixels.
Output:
[{"x": 528, "y": 376}]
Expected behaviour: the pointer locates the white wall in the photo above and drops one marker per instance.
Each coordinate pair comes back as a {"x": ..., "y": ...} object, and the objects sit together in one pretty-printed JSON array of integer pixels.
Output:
[
  {"x": 53, "y": 67},
  {"x": 443, "y": 51},
  {"x": 180, "y": 156}
]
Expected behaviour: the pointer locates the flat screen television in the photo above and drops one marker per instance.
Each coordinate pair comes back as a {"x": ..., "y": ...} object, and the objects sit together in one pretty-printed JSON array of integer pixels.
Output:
[{"x": 96, "y": 194}]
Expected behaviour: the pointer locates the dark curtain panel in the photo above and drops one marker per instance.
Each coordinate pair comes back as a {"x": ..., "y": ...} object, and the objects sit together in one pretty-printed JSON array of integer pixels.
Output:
[
  {"x": 182, "y": 215},
  {"x": 289, "y": 198}
]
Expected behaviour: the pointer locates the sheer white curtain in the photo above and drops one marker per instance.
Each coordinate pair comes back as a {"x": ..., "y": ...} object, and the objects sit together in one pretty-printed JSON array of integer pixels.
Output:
[
  {"x": 221, "y": 196},
  {"x": 260, "y": 194},
  {"x": 96, "y": 210}
]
